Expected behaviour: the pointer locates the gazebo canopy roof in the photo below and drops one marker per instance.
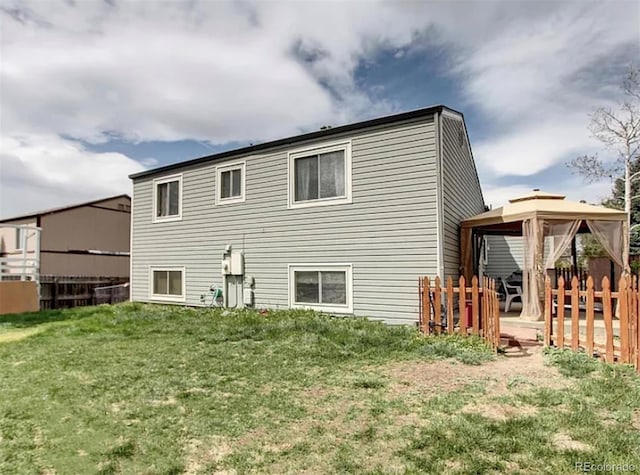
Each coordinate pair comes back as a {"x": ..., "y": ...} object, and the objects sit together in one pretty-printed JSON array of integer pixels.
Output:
[{"x": 541, "y": 205}]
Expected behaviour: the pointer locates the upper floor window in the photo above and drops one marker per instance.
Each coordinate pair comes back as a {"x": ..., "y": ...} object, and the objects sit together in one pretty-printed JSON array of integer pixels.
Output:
[
  {"x": 230, "y": 180},
  {"x": 320, "y": 176},
  {"x": 168, "y": 198}
]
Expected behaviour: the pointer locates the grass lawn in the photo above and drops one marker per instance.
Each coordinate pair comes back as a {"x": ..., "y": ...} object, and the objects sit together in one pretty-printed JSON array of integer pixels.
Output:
[{"x": 157, "y": 389}]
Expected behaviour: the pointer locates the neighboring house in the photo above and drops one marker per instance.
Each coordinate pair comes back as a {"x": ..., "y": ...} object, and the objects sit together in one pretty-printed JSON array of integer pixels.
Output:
[
  {"x": 343, "y": 220},
  {"x": 87, "y": 239}
]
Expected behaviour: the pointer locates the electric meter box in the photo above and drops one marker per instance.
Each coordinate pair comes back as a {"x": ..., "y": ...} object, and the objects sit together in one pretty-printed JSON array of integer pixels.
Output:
[{"x": 237, "y": 263}]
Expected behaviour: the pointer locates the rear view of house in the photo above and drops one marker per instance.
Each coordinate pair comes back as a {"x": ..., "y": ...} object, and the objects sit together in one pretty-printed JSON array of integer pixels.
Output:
[{"x": 342, "y": 220}]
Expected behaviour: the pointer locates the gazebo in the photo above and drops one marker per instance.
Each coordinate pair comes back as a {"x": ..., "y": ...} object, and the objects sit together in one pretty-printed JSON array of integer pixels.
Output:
[{"x": 538, "y": 216}]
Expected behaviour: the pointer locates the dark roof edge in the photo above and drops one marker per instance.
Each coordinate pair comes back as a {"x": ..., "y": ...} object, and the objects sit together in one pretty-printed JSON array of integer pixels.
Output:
[
  {"x": 63, "y": 208},
  {"x": 299, "y": 138}
]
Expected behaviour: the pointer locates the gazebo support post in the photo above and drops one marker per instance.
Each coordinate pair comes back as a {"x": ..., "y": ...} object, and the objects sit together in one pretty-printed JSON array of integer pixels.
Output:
[{"x": 539, "y": 268}]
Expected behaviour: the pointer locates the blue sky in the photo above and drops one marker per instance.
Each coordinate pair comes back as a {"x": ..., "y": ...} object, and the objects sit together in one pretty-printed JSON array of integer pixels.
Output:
[{"x": 94, "y": 90}]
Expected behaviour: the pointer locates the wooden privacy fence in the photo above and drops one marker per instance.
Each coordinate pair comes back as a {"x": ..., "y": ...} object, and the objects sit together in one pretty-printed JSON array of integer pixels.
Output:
[
  {"x": 612, "y": 342},
  {"x": 466, "y": 310},
  {"x": 71, "y": 291}
]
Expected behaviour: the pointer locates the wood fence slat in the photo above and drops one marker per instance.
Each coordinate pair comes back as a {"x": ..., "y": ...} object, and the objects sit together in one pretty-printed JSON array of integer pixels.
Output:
[
  {"x": 475, "y": 307},
  {"x": 485, "y": 307},
  {"x": 492, "y": 313},
  {"x": 437, "y": 304},
  {"x": 548, "y": 327},
  {"x": 420, "y": 299},
  {"x": 483, "y": 304},
  {"x": 637, "y": 333},
  {"x": 450, "y": 324},
  {"x": 590, "y": 316},
  {"x": 633, "y": 324},
  {"x": 560, "y": 313},
  {"x": 575, "y": 314},
  {"x": 624, "y": 319},
  {"x": 496, "y": 316},
  {"x": 462, "y": 304},
  {"x": 426, "y": 306},
  {"x": 608, "y": 319}
]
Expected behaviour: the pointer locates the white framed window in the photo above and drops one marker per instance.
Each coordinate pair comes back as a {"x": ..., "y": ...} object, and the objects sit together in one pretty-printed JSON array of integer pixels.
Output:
[
  {"x": 323, "y": 287},
  {"x": 230, "y": 183},
  {"x": 320, "y": 176},
  {"x": 21, "y": 239},
  {"x": 167, "y": 198},
  {"x": 167, "y": 283}
]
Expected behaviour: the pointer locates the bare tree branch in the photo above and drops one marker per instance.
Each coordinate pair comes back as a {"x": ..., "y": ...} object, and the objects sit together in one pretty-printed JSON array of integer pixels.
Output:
[
  {"x": 591, "y": 168},
  {"x": 619, "y": 131}
]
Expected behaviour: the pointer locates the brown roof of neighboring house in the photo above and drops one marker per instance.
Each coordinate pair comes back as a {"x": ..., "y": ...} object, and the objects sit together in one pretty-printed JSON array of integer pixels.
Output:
[{"x": 63, "y": 208}]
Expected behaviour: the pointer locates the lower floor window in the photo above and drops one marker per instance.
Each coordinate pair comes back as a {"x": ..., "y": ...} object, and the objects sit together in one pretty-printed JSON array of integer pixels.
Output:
[
  {"x": 168, "y": 283},
  {"x": 321, "y": 287}
]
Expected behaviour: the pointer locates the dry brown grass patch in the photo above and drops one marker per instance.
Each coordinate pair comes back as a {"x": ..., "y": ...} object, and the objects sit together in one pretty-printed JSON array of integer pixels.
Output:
[
  {"x": 200, "y": 453},
  {"x": 499, "y": 412},
  {"x": 565, "y": 442}
]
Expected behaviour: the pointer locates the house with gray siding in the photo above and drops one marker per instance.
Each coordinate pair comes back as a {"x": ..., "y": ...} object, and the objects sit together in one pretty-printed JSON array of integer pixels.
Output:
[{"x": 342, "y": 220}]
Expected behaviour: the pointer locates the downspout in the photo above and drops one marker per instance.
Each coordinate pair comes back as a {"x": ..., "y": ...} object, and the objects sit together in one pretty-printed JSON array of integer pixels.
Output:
[{"x": 439, "y": 199}]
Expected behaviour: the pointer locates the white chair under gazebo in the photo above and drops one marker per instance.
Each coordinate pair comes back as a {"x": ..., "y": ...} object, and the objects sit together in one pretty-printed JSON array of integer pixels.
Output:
[{"x": 537, "y": 216}]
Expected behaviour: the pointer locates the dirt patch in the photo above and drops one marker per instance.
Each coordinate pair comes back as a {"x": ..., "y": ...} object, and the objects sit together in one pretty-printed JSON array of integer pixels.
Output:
[
  {"x": 565, "y": 442},
  {"x": 635, "y": 420},
  {"x": 200, "y": 453},
  {"x": 527, "y": 368},
  {"x": 500, "y": 412},
  {"x": 453, "y": 465},
  {"x": 170, "y": 401},
  {"x": 197, "y": 391}
]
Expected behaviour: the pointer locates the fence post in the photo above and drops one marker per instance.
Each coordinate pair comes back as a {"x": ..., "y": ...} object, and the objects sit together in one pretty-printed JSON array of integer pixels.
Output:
[
  {"x": 633, "y": 323},
  {"x": 420, "y": 298},
  {"x": 426, "y": 309},
  {"x": 560, "y": 313},
  {"x": 475, "y": 307},
  {"x": 607, "y": 316},
  {"x": 575, "y": 314},
  {"x": 496, "y": 303},
  {"x": 437, "y": 311},
  {"x": 485, "y": 308},
  {"x": 636, "y": 306},
  {"x": 623, "y": 298},
  {"x": 450, "y": 323},
  {"x": 590, "y": 316},
  {"x": 547, "y": 311},
  {"x": 495, "y": 337},
  {"x": 462, "y": 305}
]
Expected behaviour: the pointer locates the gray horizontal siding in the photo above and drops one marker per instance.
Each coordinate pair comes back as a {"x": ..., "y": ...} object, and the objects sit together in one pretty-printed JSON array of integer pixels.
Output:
[
  {"x": 461, "y": 193},
  {"x": 505, "y": 255},
  {"x": 388, "y": 232}
]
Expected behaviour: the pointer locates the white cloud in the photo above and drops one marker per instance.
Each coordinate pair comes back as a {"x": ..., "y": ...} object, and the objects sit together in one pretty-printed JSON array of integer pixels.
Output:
[
  {"x": 531, "y": 148},
  {"x": 220, "y": 72},
  {"x": 44, "y": 171},
  {"x": 204, "y": 70},
  {"x": 538, "y": 79}
]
